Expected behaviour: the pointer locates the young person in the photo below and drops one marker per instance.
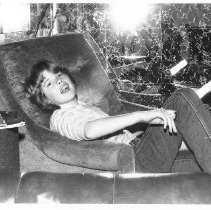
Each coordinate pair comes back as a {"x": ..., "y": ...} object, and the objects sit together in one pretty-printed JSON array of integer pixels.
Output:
[{"x": 184, "y": 117}]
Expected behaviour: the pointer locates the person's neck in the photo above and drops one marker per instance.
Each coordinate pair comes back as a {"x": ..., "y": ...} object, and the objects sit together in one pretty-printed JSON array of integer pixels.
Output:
[{"x": 72, "y": 103}]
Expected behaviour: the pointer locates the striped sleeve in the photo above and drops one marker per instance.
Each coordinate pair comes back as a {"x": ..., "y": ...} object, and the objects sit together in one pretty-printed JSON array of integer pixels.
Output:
[{"x": 71, "y": 124}]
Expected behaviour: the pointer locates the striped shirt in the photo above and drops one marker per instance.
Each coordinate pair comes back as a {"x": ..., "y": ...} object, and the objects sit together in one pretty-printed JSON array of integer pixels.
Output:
[{"x": 70, "y": 122}]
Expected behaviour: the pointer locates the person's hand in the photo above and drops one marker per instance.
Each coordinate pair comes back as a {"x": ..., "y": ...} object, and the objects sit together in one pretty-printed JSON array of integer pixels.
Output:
[{"x": 165, "y": 117}]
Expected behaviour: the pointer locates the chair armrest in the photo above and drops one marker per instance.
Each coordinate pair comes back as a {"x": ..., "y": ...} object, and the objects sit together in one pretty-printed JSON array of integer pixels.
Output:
[
  {"x": 131, "y": 107},
  {"x": 97, "y": 154}
]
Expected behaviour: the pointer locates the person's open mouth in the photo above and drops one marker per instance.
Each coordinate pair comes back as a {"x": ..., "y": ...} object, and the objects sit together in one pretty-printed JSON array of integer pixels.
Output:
[{"x": 64, "y": 88}]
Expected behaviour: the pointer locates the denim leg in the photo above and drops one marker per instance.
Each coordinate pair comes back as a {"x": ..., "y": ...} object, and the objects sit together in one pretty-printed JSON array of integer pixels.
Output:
[
  {"x": 157, "y": 150},
  {"x": 194, "y": 124}
]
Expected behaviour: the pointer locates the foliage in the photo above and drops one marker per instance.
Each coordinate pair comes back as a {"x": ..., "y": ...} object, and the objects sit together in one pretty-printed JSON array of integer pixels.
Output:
[{"x": 161, "y": 39}]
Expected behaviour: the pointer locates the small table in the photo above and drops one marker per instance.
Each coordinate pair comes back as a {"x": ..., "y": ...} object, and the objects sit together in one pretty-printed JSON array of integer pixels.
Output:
[
  {"x": 9, "y": 164},
  {"x": 9, "y": 151}
]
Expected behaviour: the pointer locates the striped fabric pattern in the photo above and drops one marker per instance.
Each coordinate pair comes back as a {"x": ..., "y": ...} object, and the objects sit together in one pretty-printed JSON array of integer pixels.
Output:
[{"x": 70, "y": 122}]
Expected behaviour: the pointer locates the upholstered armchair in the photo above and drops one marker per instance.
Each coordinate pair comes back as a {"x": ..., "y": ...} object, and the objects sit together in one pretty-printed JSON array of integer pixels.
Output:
[
  {"x": 82, "y": 56},
  {"x": 76, "y": 53}
]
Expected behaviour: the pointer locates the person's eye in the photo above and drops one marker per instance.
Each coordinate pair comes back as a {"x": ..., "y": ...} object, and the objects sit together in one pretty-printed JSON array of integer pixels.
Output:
[{"x": 60, "y": 74}]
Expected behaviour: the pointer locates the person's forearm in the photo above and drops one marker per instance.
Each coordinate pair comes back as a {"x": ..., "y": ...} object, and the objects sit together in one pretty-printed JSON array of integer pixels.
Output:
[{"x": 101, "y": 127}]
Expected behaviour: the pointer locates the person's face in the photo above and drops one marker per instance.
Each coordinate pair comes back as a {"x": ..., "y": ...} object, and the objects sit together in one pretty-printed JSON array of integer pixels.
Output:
[{"x": 58, "y": 88}]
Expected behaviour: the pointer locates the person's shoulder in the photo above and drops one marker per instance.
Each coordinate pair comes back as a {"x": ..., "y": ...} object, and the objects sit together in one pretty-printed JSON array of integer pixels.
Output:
[
  {"x": 57, "y": 116},
  {"x": 56, "y": 112},
  {"x": 66, "y": 111}
]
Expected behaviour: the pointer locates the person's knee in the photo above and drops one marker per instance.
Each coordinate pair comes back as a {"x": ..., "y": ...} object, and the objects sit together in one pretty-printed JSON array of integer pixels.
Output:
[
  {"x": 183, "y": 97},
  {"x": 186, "y": 92}
]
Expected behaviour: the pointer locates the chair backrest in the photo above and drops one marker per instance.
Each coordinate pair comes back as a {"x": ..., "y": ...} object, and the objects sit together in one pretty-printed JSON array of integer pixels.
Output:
[
  {"x": 76, "y": 51},
  {"x": 81, "y": 54}
]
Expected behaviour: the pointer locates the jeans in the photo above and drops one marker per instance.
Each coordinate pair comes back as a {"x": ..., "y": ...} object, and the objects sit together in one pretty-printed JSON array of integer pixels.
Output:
[{"x": 157, "y": 149}]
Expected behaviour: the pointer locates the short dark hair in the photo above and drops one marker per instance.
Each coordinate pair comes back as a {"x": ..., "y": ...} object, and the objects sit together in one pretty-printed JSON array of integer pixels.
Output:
[{"x": 34, "y": 80}]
